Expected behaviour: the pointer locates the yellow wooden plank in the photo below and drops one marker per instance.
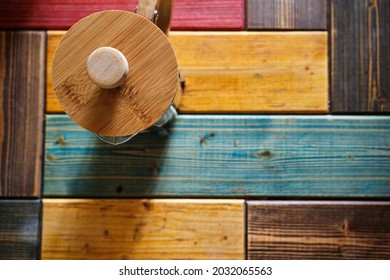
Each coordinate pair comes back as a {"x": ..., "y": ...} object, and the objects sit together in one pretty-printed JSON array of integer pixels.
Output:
[
  {"x": 244, "y": 72},
  {"x": 143, "y": 229}
]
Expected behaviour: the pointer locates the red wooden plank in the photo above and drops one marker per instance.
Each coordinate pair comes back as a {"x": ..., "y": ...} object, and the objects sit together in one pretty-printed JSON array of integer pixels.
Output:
[
  {"x": 54, "y": 14},
  {"x": 208, "y": 15},
  {"x": 61, "y": 14}
]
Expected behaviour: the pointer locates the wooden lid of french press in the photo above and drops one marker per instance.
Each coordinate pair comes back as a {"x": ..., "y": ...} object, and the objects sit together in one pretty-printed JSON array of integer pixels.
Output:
[{"x": 115, "y": 73}]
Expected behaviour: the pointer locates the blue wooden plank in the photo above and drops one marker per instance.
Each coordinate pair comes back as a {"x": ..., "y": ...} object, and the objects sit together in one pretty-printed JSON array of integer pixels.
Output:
[{"x": 225, "y": 156}]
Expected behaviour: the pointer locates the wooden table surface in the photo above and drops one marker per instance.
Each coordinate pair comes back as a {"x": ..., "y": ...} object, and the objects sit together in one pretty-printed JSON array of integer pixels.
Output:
[{"x": 281, "y": 149}]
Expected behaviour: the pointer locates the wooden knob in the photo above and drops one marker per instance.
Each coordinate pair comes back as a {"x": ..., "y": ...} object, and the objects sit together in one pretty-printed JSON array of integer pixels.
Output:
[{"x": 107, "y": 67}]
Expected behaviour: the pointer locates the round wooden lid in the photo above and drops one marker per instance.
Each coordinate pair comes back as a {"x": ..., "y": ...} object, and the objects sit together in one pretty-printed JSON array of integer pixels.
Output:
[{"x": 84, "y": 73}]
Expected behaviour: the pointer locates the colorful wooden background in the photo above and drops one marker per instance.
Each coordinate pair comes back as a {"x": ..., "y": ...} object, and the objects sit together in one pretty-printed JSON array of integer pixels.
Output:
[{"x": 281, "y": 149}]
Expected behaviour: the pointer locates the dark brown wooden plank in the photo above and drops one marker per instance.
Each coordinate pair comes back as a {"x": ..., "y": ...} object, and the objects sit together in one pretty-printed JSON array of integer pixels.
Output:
[
  {"x": 360, "y": 32},
  {"x": 318, "y": 230},
  {"x": 21, "y": 112},
  {"x": 287, "y": 14},
  {"x": 62, "y": 14},
  {"x": 19, "y": 229}
]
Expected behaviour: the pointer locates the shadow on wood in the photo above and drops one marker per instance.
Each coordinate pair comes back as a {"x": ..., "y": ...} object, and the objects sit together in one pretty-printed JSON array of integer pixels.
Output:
[{"x": 119, "y": 167}]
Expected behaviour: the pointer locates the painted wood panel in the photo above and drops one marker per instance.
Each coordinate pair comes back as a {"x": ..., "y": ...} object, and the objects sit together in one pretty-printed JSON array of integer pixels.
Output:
[
  {"x": 208, "y": 15},
  {"x": 236, "y": 72},
  {"x": 360, "y": 34},
  {"x": 19, "y": 229},
  {"x": 22, "y": 56},
  {"x": 287, "y": 14},
  {"x": 318, "y": 230},
  {"x": 143, "y": 229},
  {"x": 53, "y": 40},
  {"x": 62, "y": 14},
  {"x": 225, "y": 156}
]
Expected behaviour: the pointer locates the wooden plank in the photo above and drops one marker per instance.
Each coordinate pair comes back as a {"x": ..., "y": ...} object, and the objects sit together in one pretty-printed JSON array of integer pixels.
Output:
[
  {"x": 53, "y": 40},
  {"x": 208, "y": 15},
  {"x": 143, "y": 229},
  {"x": 19, "y": 229},
  {"x": 360, "y": 34},
  {"x": 225, "y": 156},
  {"x": 59, "y": 14},
  {"x": 318, "y": 230},
  {"x": 22, "y": 56},
  {"x": 287, "y": 14},
  {"x": 243, "y": 71}
]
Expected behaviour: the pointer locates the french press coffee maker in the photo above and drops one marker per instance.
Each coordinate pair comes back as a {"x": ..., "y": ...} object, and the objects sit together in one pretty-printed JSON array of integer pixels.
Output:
[{"x": 115, "y": 73}]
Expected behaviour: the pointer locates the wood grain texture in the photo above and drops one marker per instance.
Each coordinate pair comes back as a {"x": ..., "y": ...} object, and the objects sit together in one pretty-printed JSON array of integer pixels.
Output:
[
  {"x": 53, "y": 40},
  {"x": 243, "y": 71},
  {"x": 208, "y": 15},
  {"x": 287, "y": 14},
  {"x": 143, "y": 229},
  {"x": 62, "y": 14},
  {"x": 225, "y": 156},
  {"x": 146, "y": 93},
  {"x": 22, "y": 56},
  {"x": 19, "y": 229},
  {"x": 360, "y": 34},
  {"x": 318, "y": 230}
]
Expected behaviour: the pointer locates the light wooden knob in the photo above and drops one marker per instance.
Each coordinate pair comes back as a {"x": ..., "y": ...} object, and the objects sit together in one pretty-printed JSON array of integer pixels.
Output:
[{"x": 107, "y": 67}]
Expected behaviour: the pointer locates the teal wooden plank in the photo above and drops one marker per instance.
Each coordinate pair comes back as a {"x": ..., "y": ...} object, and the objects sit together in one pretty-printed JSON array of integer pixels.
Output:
[{"x": 225, "y": 156}]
